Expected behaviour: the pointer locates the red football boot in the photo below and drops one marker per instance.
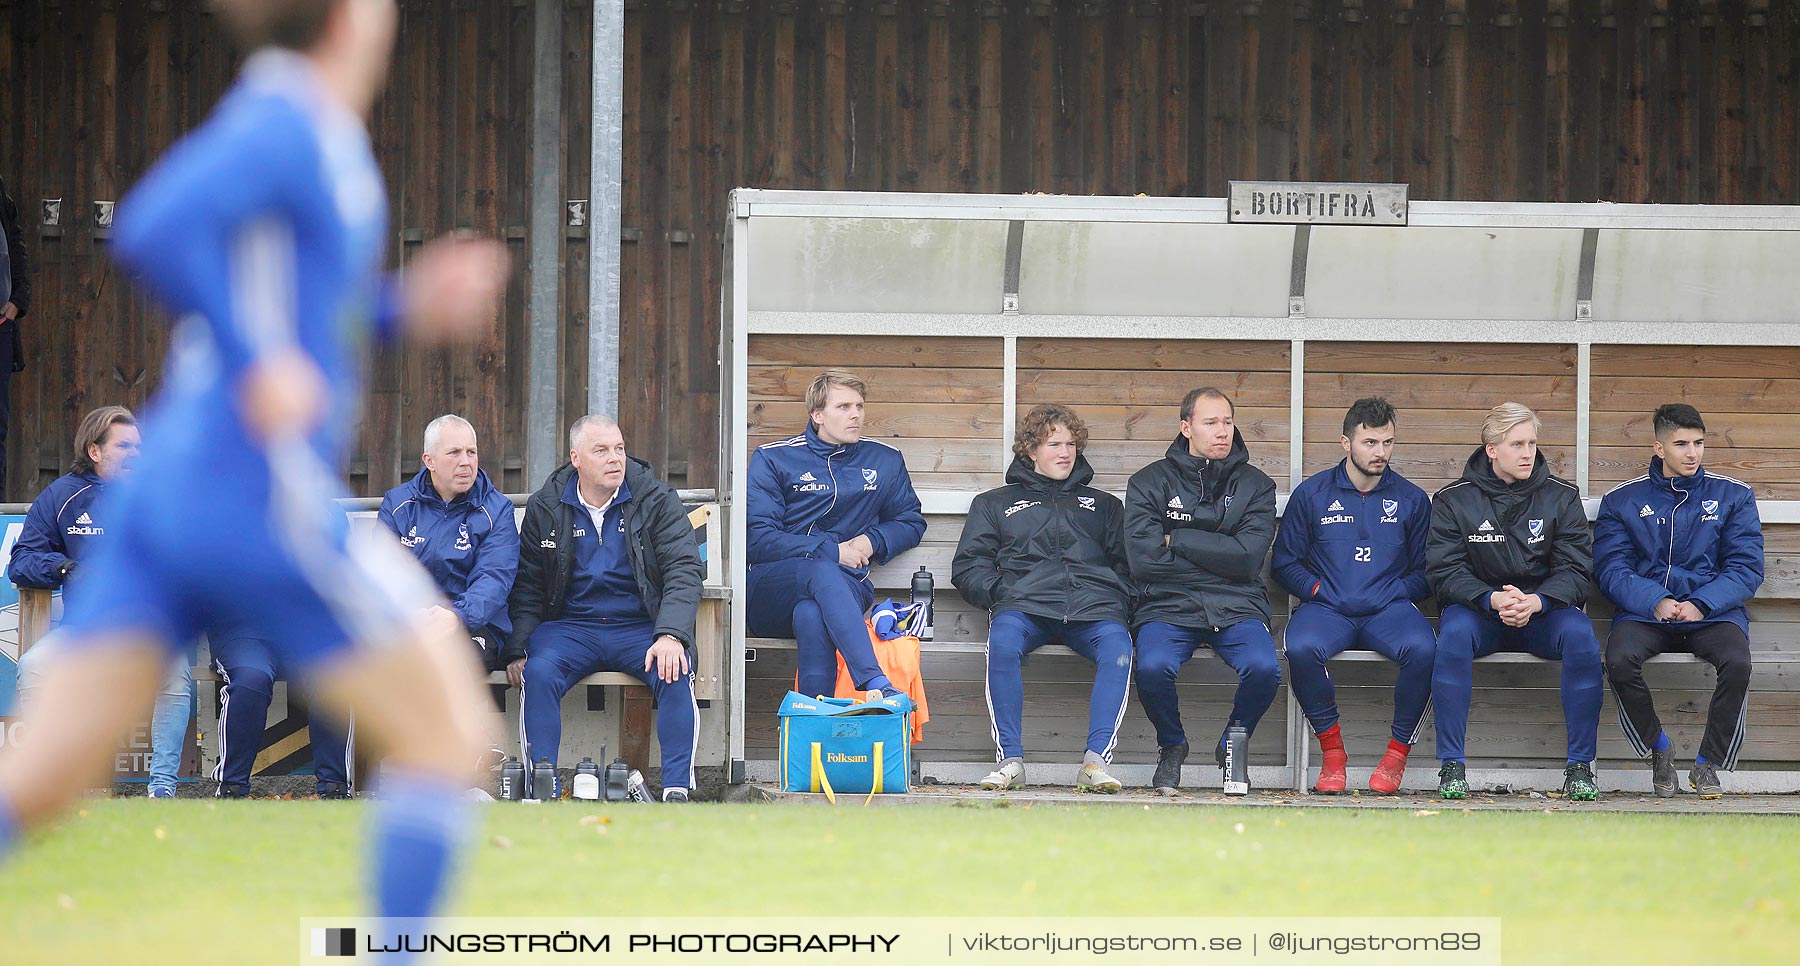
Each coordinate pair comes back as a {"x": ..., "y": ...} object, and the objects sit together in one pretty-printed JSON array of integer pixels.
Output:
[
  {"x": 1385, "y": 779},
  {"x": 1332, "y": 779}
]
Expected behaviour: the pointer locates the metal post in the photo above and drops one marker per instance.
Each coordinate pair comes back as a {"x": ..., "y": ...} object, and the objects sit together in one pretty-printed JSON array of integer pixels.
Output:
[
  {"x": 542, "y": 454},
  {"x": 607, "y": 193}
]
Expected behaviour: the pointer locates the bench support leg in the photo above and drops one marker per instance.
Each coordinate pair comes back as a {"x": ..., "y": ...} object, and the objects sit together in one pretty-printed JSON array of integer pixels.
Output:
[{"x": 636, "y": 721}]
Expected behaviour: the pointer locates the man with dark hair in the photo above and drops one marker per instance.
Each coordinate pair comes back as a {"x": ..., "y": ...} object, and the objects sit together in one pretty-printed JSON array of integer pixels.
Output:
[
  {"x": 609, "y": 580},
  {"x": 1679, "y": 551},
  {"x": 824, "y": 505},
  {"x": 1198, "y": 523},
  {"x": 1352, "y": 551},
  {"x": 1046, "y": 555},
  {"x": 15, "y": 302},
  {"x": 1509, "y": 556}
]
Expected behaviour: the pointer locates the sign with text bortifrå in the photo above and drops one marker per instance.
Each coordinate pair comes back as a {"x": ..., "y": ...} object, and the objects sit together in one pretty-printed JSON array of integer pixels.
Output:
[{"x": 1303, "y": 203}]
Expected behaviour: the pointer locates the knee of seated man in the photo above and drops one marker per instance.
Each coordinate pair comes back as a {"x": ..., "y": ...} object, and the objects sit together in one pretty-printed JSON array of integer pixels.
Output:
[
  {"x": 257, "y": 679},
  {"x": 823, "y": 575},
  {"x": 1457, "y": 630}
]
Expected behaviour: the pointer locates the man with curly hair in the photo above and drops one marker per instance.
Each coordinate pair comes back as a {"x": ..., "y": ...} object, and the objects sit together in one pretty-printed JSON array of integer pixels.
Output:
[{"x": 1045, "y": 554}]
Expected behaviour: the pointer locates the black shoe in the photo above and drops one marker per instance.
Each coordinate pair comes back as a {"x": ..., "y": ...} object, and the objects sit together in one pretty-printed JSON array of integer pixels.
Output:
[
  {"x": 1662, "y": 772},
  {"x": 1578, "y": 782},
  {"x": 1705, "y": 779},
  {"x": 1168, "y": 769},
  {"x": 675, "y": 796},
  {"x": 334, "y": 793},
  {"x": 1453, "y": 780},
  {"x": 232, "y": 791}
]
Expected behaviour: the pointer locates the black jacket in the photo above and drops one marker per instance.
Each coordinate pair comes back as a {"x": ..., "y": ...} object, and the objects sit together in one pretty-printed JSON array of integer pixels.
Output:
[
  {"x": 1052, "y": 548},
  {"x": 1486, "y": 534},
  {"x": 1219, "y": 516},
  {"x": 665, "y": 558}
]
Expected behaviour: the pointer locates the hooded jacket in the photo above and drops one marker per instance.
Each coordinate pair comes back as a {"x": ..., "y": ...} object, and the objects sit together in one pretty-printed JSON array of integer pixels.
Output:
[
  {"x": 1487, "y": 533},
  {"x": 469, "y": 545},
  {"x": 1698, "y": 540},
  {"x": 665, "y": 557},
  {"x": 1219, "y": 517},
  {"x": 1354, "y": 552},
  {"x": 1050, "y": 548}
]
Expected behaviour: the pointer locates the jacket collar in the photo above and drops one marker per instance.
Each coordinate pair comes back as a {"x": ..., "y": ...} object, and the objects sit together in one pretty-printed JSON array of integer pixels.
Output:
[
  {"x": 572, "y": 491},
  {"x": 1024, "y": 474},
  {"x": 1197, "y": 467},
  {"x": 1340, "y": 477},
  {"x": 1663, "y": 481},
  {"x": 821, "y": 448},
  {"x": 425, "y": 492},
  {"x": 1479, "y": 470}
]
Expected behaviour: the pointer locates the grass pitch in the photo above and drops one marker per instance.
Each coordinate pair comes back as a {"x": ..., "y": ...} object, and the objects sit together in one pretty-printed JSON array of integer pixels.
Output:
[{"x": 194, "y": 881}]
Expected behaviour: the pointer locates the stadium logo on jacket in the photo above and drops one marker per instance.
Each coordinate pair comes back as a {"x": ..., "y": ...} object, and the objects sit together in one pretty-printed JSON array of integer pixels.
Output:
[
  {"x": 84, "y": 527},
  {"x": 1711, "y": 509},
  {"x": 1021, "y": 505},
  {"x": 1485, "y": 534},
  {"x": 1174, "y": 511},
  {"x": 869, "y": 480},
  {"x": 412, "y": 538},
  {"x": 810, "y": 484},
  {"x": 1537, "y": 531}
]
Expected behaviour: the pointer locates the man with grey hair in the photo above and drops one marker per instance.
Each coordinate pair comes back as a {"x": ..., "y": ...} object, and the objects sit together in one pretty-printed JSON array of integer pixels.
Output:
[
  {"x": 460, "y": 526},
  {"x": 609, "y": 580}
]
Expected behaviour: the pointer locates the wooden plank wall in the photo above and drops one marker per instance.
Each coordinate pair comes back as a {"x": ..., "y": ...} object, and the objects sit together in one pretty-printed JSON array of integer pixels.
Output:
[{"x": 1689, "y": 101}]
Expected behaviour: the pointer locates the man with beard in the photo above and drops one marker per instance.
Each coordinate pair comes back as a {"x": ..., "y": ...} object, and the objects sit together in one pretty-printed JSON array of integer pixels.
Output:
[
  {"x": 1198, "y": 523},
  {"x": 1509, "y": 556},
  {"x": 1046, "y": 555},
  {"x": 1352, "y": 551}
]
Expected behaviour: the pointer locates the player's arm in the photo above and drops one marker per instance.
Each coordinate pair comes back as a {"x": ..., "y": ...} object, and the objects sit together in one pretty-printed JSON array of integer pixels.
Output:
[
  {"x": 40, "y": 558},
  {"x": 1447, "y": 562},
  {"x": 975, "y": 569},
  {"x": 768, "y": 541},
  {"x": 496, "y": 566},
  {"x": 1741, "y": 570},
  {"x": 526, "y": 603},
  {"x": 1146, "y": 542},
  {"x": 1616, "y": 564},
  {"x": 1292, "y": 538},
  {"x": 1571, "y": 557},
  {"x": 902, "y": 523},
  {"x": 1237, "y": 555}
]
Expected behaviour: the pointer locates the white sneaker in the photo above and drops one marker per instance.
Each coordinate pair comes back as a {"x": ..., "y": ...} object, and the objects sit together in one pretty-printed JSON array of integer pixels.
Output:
[
  {"x": 1010, "y": 774},
  {"x": 1093, "y": 778}
]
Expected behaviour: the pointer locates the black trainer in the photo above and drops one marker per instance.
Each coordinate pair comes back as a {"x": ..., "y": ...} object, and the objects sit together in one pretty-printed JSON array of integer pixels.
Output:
[
  {"x": 1453, "y": 779},
  {"x": 228, "y": 790},
  {"x": 675, "y": 796},
  {"x": 1578, "y": 782},
  {"x": 1662, "y": 772},
  {"x": 334, "y": 792},
  {"x": 1705, "y": 779},
  {"x": 1168, "y": 769}
]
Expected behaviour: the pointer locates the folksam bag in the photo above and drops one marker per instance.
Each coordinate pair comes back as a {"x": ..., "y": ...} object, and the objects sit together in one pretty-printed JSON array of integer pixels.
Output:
[{"x": 834, "y": 745}]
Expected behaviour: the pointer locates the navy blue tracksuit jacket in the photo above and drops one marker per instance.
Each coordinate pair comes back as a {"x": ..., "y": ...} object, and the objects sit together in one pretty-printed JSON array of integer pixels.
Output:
[
  {"x": 470, "y": 545},
  {"x": 1353, "y": 552},
  {"x": 1698, "y": 540}
]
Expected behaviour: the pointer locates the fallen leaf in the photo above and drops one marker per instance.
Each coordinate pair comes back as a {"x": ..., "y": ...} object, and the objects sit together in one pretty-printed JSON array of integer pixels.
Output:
[
  {"x": 65, "y": 900},
  {"x": 595, "y": 820},
  {"x": 1238, "y": 828},
  {"x": 83, "y": 813},
  {"x": 1425, "y": 811},
  {"x": 500, "y": 842},
  {"x": 160, "y": 834}
]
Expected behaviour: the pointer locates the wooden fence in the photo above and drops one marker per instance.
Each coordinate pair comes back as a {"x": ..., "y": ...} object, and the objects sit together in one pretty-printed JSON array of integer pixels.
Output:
[{"x": 1533, "y": 100}]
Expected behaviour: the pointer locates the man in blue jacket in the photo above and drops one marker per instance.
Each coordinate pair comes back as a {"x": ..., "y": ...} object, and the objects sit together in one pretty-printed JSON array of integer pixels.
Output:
[
  {"x": 460, "y": 526},
  {"x": 1679, "y": 551},
  {"x": 64, "y": 527},
  {"x": 823, "y": 506},
  {"x": 1352, "y": 550}
]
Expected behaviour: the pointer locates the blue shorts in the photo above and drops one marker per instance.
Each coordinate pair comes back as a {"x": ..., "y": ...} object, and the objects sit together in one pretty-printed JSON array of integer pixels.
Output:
[{"x": 281, "y": 562}]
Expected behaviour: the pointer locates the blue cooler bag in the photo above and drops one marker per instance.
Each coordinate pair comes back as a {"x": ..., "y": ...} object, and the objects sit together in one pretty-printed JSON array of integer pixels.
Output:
[{"x": 836, "y": 745}]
